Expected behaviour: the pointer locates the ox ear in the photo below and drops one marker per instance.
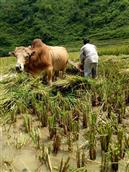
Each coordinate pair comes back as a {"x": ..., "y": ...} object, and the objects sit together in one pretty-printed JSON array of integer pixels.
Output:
[{"x": 12, "y": 53}]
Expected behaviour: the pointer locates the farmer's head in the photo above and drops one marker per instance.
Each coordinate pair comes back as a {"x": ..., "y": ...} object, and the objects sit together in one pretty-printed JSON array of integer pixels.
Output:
[{"x": 85, "y": 41}]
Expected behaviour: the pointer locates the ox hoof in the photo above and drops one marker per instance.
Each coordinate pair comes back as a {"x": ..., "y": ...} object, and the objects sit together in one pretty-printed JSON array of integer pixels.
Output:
[{"x": 50, "y": 83}]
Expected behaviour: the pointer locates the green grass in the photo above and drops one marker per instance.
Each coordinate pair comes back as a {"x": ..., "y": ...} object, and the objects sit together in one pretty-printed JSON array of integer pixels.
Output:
[
  {"x": 114, "y": 50},
  {"x": 6, "y": 63},
  {"x": 105, "y": 47},
  {"x": 112, "y": 75}
]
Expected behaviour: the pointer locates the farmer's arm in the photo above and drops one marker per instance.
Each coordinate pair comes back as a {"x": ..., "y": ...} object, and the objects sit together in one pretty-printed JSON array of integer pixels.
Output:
[{"x": 82, "y": 57}]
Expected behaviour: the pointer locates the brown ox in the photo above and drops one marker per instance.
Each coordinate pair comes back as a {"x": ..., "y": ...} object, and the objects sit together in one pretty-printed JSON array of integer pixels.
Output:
[{"x": 41, "y": 57}]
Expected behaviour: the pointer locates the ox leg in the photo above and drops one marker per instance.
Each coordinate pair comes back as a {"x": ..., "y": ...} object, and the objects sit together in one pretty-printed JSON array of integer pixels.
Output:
[
  {"x": 49, "y": 75},
  {"x": 56, "y": 76},
  {"x": 62, "y": 73}
]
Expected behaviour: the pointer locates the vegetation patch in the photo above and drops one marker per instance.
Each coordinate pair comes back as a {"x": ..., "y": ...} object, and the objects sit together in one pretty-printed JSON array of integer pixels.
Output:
[{"x": 77, "y": 115}]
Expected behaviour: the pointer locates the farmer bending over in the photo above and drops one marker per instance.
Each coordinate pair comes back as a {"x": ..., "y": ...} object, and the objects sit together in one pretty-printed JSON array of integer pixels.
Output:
[{"x": 89, "y": 58}]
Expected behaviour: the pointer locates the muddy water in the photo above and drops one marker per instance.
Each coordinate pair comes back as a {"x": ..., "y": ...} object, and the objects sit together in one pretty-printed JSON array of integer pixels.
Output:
[
  {"x": 26, "y": 157},
  {"x": 17, "y": 159}
]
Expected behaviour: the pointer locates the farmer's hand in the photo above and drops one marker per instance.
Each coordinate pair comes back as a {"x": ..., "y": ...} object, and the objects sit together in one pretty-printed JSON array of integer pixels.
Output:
[
  {"x": 80, "y": 67},
  {"x": 80, "y": 70}
]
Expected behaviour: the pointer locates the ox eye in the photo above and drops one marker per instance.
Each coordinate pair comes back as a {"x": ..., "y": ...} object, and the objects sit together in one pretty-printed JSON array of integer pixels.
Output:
[{"x": 27, "y": 57}]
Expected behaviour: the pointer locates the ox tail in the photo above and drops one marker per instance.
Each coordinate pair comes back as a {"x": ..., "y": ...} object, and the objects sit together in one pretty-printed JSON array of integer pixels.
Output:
[{"x": 77, "y": 65}]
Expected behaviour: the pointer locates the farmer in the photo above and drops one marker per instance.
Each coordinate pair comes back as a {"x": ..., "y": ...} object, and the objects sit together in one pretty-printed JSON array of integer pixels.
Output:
[{"x": 89, "y": 58}]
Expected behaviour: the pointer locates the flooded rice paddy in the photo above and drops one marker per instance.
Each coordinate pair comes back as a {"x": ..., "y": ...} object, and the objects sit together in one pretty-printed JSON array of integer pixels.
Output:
[{"x": 68, "y": 127}]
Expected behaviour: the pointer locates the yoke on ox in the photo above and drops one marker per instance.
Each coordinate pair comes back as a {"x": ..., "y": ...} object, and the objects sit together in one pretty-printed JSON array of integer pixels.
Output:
[{"x": 41, "y": 57}]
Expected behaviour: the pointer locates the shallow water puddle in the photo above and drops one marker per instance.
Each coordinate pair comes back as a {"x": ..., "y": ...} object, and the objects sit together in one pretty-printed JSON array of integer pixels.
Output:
[
  {"x": 26, "y": 159},
  {"x": 18, "y": 159}
]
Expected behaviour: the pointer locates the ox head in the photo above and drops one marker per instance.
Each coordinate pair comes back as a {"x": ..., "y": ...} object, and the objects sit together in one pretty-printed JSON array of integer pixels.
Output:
[{"x": 22, "y": 55}]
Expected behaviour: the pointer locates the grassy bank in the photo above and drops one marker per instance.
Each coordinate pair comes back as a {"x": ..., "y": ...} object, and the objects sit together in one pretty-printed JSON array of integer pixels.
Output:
[{"x": 105, "y": 47}]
